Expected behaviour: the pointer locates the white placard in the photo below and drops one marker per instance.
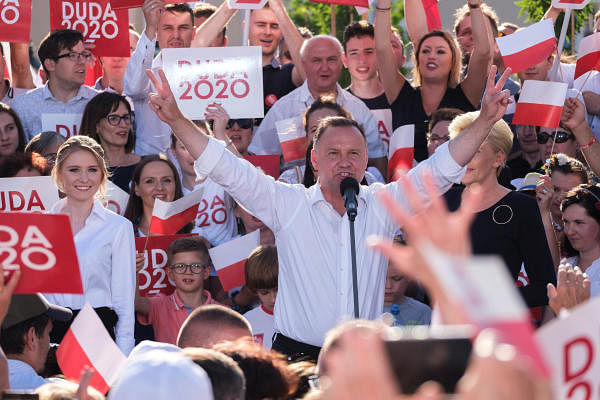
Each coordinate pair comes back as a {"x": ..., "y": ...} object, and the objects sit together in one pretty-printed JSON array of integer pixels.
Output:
[
  {"x": 246, "y": 4},
  {"x": 64, "y": 124},
  {"x": 115, "y": 198},
  {"x": 572, "y": 4},
  {"x": 229, "y": 76},
  {"x": 29, "y": 194},
  {"x": 572, "y": 349}
]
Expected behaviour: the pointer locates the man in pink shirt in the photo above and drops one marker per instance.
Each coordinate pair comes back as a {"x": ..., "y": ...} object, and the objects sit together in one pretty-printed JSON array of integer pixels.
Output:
[{"x": 188, "y": 268}]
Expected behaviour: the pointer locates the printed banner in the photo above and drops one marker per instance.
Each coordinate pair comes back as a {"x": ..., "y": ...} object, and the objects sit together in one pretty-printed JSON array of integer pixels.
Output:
[
  {"x": 229, "y": 76},
  {"x": 105, "y": 29},
  {"x": 29, "y": 194},
  {"x": 64, "y": 124},
  {"x": 42, "y": 247},
  {"x": 356, "y": 3},
  {"x": 15, "y": 21},
  {"x": 572, "y": 4},
  {"x": 246, "y": 4},
  {"x": 115, "y": 199},
  {"x": 121, "y": 4},
  {"x": 292, "y": 138}
]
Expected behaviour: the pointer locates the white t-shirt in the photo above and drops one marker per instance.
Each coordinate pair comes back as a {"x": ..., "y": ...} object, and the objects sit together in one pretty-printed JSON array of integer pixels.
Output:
[
  {"x": 593, "y": 272},
  {"x": 261, "y": 321}
]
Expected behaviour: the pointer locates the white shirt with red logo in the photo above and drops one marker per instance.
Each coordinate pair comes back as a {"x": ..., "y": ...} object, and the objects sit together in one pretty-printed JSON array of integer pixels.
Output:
[{"x": 261, "y": 321}]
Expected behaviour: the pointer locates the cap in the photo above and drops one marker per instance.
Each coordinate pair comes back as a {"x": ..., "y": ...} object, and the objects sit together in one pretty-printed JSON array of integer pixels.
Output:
[
  {"x": 530, "y": 181},
  {"x": 26, "y": 306}
]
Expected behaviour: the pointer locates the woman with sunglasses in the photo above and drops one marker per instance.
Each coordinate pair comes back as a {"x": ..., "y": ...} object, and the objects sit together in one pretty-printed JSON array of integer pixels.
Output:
[
  {"x": 108, "y": 119},
  {"x": 237, "y": 131},
  {"x": 581, "y": 219},
  {"x": 552, "y": 141}
]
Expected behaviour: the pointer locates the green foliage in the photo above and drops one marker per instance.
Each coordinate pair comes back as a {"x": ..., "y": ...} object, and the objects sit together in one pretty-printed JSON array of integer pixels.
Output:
[{"x": 534, "y": 11}]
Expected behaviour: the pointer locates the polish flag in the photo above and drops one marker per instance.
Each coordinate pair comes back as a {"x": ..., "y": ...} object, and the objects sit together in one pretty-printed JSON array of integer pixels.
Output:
[
  {"x": 292, "y": 138},
  {"x": 528, "y": 47},
  {"x": 401, "y": 151},
  {"x": 169, "y": 217},
  {"x": 588, "y": 56},
  {"x": 433, "y": 14},
  {"x": 540, "y": 103},
  {"x": 230, "y": 258},
  {"x": 87, "y": 343}
]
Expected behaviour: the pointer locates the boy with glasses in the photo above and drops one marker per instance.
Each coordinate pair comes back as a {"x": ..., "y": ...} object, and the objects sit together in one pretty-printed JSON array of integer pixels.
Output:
[
  {"x": 188, "y": 267},
  {"x": 64, "y": 59}
]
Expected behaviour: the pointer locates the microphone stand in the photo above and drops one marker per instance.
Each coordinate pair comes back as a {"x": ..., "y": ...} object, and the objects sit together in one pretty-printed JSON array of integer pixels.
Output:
[{"x": 354, "y": 273}]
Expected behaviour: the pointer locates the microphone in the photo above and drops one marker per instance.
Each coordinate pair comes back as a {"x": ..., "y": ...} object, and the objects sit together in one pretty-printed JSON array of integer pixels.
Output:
[{"x": 349, "y": 190}]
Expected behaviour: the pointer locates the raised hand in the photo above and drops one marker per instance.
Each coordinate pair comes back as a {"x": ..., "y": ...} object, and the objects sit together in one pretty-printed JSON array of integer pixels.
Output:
[
  {"x": 573, "y": 114},
  {"x": 572, "y": 288},
  {"x": 543, "y": 194},
  {"x": 163, "y": 102},
  {"x": 495, "y": 100},
  {"x": 6, "y": 291},
  {"x": 216, "y": 113},
  {"x": 152, "y": 10}
]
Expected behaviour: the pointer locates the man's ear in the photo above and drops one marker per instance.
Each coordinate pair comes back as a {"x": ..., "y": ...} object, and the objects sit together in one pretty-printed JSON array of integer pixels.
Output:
[
  {"x": 49, "y": 65},
  {"x": 31, "y": 339},
  {"x": 345, "y": 60},
  {"x": 313, "y": 160}
]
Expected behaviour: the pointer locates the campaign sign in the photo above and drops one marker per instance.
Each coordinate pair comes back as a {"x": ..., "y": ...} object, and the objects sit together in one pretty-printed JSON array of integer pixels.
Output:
[
  {"x": 15, "y": 21},
  {"x": 229, "y": 76},
  {"x": 572, "y": 348},
  {"x": 115, "y": 198},
  {"x": 104, "y": 28},
  {"x": 246, "y": 4},
  {"x": 269, "y": 163},
  {"x": 122, "y": 4},
  {"x": 29, "y": 194},
  {"x": 41, "y": 246},
  {"x": 383, "y": 117},
  {"x": 64, "y": 124},
  {"x": 572, "y": 4},
  {"x": 153, "y": 277},
  {"x": 356, "y": 3}
]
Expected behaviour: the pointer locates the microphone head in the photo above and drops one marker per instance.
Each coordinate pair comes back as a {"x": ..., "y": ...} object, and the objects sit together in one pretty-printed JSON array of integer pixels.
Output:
[{"x": 348, "y": 183}]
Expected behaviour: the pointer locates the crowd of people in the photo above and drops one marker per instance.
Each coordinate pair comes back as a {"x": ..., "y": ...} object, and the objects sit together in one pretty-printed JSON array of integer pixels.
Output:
[{"x": 479, "y": 185}]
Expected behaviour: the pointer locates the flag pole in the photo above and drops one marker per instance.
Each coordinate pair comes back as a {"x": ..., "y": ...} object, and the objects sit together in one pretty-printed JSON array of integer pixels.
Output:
[{"x": 561, "y": 40}]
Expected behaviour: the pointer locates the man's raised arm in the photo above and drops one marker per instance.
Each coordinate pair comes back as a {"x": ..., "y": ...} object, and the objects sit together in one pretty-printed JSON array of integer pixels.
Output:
[
  {"x": 292, "y": 37},
  {"x": 213, "y": 26}
]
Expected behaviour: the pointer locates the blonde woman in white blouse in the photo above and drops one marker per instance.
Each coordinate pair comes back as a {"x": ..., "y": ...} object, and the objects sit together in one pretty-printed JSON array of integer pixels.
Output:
[{"x": 103, "y": 239}]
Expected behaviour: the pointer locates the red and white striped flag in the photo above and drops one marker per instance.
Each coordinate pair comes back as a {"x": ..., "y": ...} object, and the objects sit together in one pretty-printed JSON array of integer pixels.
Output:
[
  {"x": 229, "y": 259},
  {"x": 292, "y": 138},
  {"x": 528, "y": 47},
  {"x": 540, "y": 103},
  {"x": 401, "y": 152},
  {"x": 169, "y": 217},
  {"x": 87, "y": 343},
  {"x": 588, "y": 56}
]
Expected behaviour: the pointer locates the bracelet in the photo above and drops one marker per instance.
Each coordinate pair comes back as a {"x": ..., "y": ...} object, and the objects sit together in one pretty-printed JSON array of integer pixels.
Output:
[
  {"x": 587, "y": 146},
  {"x": 383, "y": 9},
  {"x": 472, "y": 6}
]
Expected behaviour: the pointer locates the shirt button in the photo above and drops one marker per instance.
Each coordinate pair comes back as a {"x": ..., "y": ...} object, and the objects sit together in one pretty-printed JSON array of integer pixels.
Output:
[{"x": 341, "y": 294}]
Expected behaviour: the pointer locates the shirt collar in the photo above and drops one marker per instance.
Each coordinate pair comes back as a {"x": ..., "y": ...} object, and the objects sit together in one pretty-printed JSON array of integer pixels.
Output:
[
  {"x": 179, "y": 304},
  {"x": 306, "y": 96},
  {"x": 98, "y": 209},
  {"x": 316, "y": 195},
  {"x": 47, "y": 94}
]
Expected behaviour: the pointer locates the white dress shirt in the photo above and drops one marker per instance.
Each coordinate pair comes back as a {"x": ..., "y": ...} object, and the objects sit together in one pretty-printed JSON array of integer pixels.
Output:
[
  {"x": 295, "y": 103},
  {"x": 152, "y": 135},
  {"x": 106, "y": 254},
  {"x": 315, "y": 281}
]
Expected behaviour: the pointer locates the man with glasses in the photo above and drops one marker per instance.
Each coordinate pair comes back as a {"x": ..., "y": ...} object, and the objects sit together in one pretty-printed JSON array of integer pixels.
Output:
[
  {"x": 64, "y": 59},
  {"x": 188, "y": 266}
]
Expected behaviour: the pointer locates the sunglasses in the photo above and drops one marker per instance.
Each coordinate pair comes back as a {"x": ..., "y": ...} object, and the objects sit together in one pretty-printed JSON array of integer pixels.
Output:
[
  {"x": 194, "y": 268},
  {"x": 561, "y": 137},
  {"x": 244, "y": 123}
]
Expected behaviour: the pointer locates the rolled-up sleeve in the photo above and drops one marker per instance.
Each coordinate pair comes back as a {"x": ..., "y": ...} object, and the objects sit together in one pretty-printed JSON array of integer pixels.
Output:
[{"x": 136, "y": 83}]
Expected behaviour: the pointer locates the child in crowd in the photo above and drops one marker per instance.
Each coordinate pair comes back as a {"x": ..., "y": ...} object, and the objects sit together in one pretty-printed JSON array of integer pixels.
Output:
[
  {"x": 188, "y": 268},
  {"x": 261, "y": 272},
  {"x": 406, "y": 310}
]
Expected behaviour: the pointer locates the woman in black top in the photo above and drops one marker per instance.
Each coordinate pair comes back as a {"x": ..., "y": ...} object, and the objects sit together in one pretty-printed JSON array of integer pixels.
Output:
[
  {"x": 508, "y": 223},
  {"x": 437, "y": 71}
]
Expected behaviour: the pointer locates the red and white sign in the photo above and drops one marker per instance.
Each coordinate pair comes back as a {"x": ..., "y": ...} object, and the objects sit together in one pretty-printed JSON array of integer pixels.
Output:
[
  {"x": 488, "y": 297},
  {"x": 101, "y": 26},
  {"x": 246, "y": 4},
  {"x": 356, "y": 3},
  {"x": 30, "y": 194},
  {"x": 87, "y": 343},
  {"x": 527, "y": 47},
  {"x": 15, "y": 21},
  {"x": 433, "y": 14},
  {"x": 115, "y": 198},
  {"x": 169, "y": 217},
  {"x": 572, "y": 4},
  {"x": 572, "y": 348},
  {"x": 120, "y": 4},
  {"x": 588, "y": 56},
  {"x": 292, "y": 138},
  {"x": 540, "y": 103},
  {"x": 64, "y": 124},
  {"x": 229, "y": 259},
  {"x": 41, "y": 245},
  {"x": 269, "y": 163},
  {"x": 383, "y": 117},
  {"x": 402, "y": 151},
  {"x": 153, "y": 278},
  {"x": 229, "y": 76}
]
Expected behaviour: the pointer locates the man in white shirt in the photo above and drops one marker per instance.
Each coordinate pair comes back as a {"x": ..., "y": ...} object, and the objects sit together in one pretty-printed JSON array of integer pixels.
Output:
[
  {"x": 25, "y": 337},
  {"x": 64, "y": 59},
  {"x": 310, "y": 225},
  {"x": 322, "y": 62},
  {"x": 172, "y": 26}
]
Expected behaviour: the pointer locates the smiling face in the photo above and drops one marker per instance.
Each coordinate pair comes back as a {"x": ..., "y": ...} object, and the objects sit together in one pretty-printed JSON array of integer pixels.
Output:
[
  {"x": 175, "y": 30},
  {"x": 341, "y": 152},
  {"x": 80, "y": 176},
  {"x": 189, "y": 282},
  {"x": 264, "y": 31},
  {"x": 435, "y": 59},
  {"x": 581, "y": 229},
  {"x": 9, "y": 134},
  {"x": 114, "y": 135},
  {"x": 360, "y": 58},
  {"x": 322, "y": 63},
  {"x": 156, "y": 182}
]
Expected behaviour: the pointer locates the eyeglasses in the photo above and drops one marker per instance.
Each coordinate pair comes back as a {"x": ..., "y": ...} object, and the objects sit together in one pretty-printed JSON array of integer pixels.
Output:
[
  {"x": 115, "y": 119},
  {"x": 75, "y": 56},
  {"x": 242, "y": 123},
  {"x": 561, "y": 137},
  {"x": 183, "y": 268}
]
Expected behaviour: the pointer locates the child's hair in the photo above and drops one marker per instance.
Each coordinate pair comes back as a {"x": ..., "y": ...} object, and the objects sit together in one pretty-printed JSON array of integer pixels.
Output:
[
  {"x": 262, "y": 268},
  {"x": 187, "y": 244}
]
